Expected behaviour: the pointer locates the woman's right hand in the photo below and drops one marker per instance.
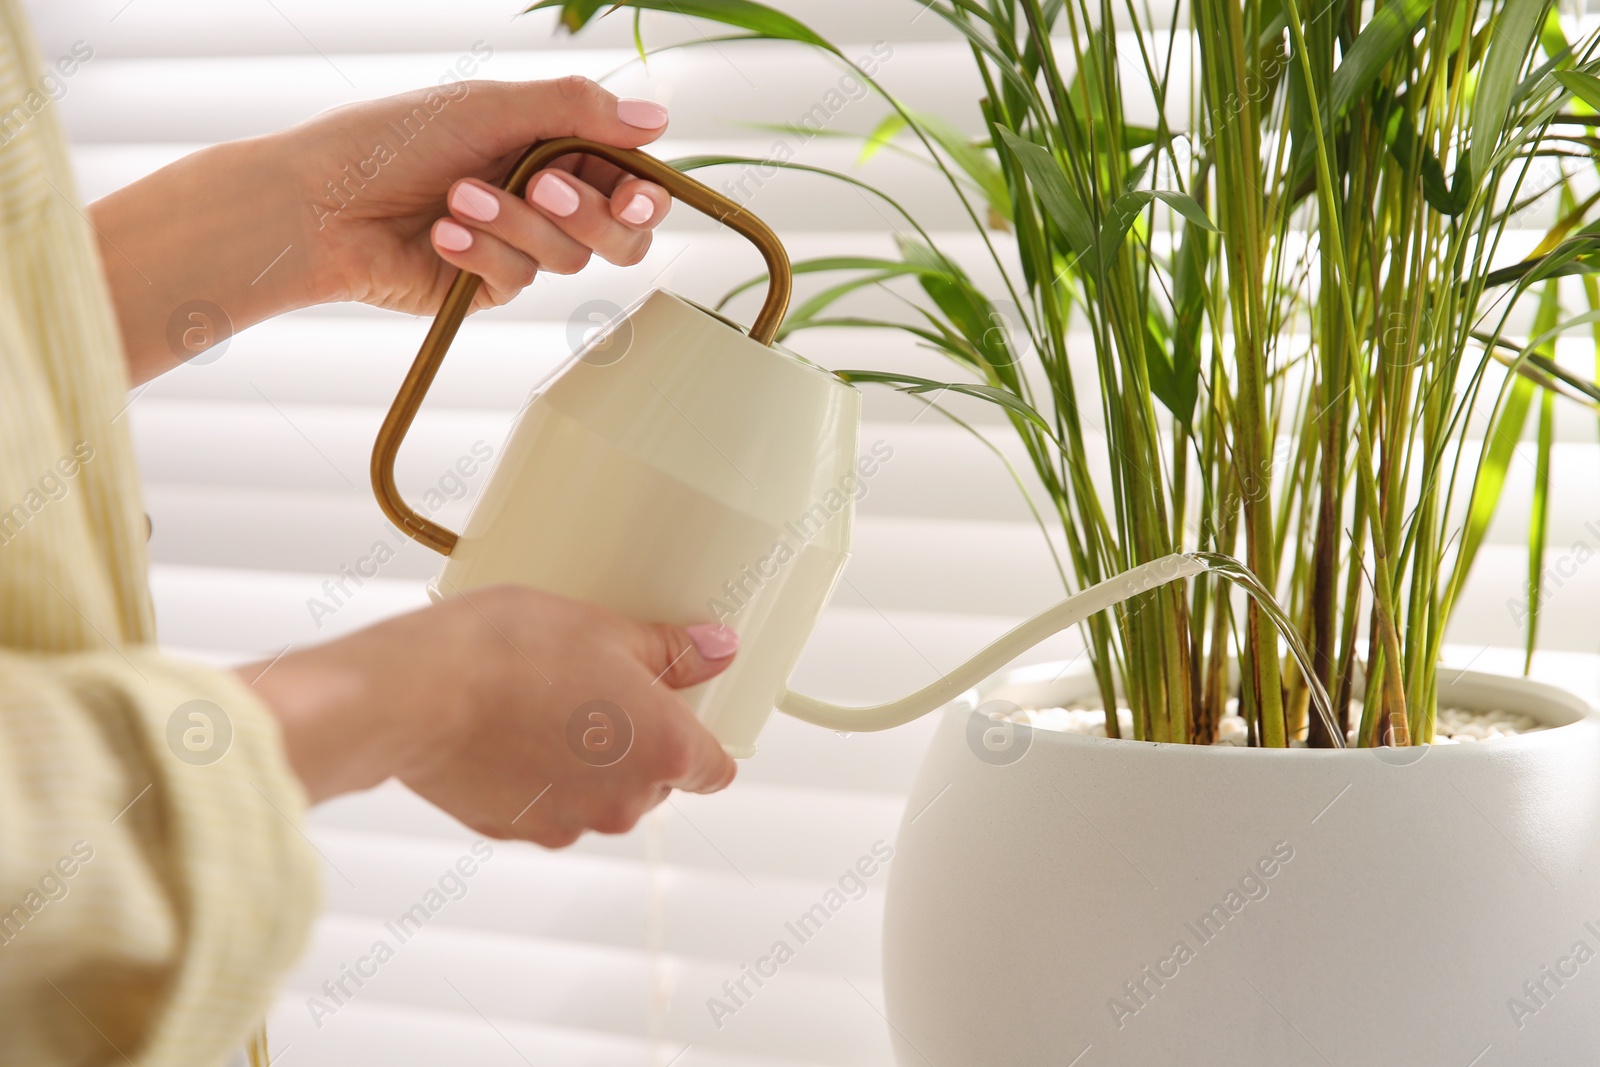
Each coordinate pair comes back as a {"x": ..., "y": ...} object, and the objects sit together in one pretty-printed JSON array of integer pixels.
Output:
[{"x": 523, "y": 714}]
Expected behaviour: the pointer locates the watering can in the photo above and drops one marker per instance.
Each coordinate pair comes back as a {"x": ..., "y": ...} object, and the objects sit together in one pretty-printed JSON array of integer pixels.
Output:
[{"x": 679, "y": 468}]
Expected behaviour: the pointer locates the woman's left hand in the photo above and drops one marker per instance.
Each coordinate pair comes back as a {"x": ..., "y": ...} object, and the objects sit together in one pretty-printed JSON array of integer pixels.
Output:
[{"x": 380, "y": 202}]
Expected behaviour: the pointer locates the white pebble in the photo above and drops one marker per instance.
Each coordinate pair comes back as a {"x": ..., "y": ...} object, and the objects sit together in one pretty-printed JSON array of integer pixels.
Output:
[{"x": 1453, "y": 726}]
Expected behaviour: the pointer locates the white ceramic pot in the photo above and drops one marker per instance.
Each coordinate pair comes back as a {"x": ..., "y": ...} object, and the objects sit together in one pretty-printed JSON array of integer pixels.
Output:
[{"x": 1081, "y": 902}]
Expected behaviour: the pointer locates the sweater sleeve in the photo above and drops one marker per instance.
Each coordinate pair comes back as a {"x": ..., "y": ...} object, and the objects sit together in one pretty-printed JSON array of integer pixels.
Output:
[{"x": 154, "y": 882}]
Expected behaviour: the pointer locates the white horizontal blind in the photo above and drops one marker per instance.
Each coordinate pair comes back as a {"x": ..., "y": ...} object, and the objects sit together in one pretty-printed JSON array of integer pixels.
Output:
[{"x": 608, "y": 953}]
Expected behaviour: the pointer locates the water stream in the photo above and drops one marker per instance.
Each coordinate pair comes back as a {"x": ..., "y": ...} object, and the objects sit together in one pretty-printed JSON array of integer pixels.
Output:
[{"x": 1242, "y": 576}]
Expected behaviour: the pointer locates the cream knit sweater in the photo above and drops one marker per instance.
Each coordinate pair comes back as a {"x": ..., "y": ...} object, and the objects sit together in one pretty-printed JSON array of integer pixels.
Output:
[{"x": 148, "y": 903}]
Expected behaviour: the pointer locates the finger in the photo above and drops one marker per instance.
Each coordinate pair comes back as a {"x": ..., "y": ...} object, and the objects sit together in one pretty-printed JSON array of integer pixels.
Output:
[
  {"x": 638, "y": 203},
  {"x": 681, "y": 656},
  {"x": 498, "y": 118},
  {"x": 505, "y": 270},
  {"x": 619, "y": 232},
  {"x": 635, "y": 201},
  {"x": 553, "y": 837},
  {"x": 486, "y": 209},
  {"x": 705, "y": 766},
  {"x": 600, "y": 173}
]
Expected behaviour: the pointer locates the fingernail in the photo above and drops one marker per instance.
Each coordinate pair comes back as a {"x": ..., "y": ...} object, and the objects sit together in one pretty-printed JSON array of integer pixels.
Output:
[
  {"x": 638, "y": 211},
  {"x": 554, "y": 195},
  {"x": 712, "y": 640},
  {"x": 452, "y": 236},
  {"x": 646, "y": 114},
  {"x": 475, "y": 203}
]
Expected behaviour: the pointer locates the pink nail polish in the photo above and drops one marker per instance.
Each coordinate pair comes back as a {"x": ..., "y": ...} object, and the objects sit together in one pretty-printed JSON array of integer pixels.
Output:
[
  {"x": 712, "y": 640},
  {"x": 554, "y": 195},
  {"x": 452, "y": 236},
  {"x": 638, "y": 211},
  {"x": 475, "y": 203},
  {"x": 645, "y": 114}
]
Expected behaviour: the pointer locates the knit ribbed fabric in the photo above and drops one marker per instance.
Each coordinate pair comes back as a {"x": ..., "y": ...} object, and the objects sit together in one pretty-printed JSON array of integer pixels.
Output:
[{"x": 154, "y": 880}]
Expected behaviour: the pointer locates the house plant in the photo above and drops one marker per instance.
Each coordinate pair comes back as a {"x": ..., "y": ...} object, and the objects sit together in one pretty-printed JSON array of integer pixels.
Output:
[
  {"x": 1313, "y": 242},
  {"x": 1404, "y": 142}
]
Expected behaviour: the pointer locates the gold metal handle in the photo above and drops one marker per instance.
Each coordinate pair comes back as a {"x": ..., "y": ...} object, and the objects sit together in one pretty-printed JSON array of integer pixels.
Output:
[{"x": 458, "y": 301}]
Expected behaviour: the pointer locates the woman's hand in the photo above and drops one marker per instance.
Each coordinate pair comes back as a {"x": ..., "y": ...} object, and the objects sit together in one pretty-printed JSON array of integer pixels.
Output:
[
  {"x": 380, "y": 202},
  {"x": 388, "y": 241},
  {"x": 521, "y": 713}
]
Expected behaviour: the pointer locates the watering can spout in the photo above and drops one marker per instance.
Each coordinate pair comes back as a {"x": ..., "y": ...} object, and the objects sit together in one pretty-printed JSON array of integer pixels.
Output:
[{"x": 1069, "y": 612}]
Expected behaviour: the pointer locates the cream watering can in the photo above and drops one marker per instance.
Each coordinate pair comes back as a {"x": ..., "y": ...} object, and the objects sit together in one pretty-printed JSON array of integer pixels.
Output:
[{"x": 677, "y": 468}]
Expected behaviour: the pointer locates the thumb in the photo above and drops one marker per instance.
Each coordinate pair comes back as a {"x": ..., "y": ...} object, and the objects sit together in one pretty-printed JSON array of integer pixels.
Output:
[
  {"x": 681, "y": 656},
  {"x": 499, "y": 118}
]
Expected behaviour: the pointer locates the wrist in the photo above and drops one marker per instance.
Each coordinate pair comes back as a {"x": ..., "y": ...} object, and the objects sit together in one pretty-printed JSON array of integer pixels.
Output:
[
  {"x": 201, "y": 249},
  {"x": 355, "y": 712},
  {"x": 313, "y": 704}
]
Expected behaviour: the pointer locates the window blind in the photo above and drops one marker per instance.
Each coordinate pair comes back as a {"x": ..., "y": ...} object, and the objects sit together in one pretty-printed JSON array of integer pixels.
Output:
[{"x": 637, "y": 949}]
